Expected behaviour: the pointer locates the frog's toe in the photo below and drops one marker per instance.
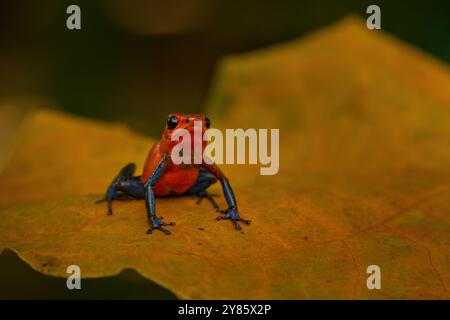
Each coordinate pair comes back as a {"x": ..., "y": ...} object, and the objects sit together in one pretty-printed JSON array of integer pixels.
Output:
[
  {"x": 165, "y": 231},
  {"x": 222, "y": 217},
  {"x": 236, "y": 224},
  {"x": 158, "y": 224},
  {"x": 162, "y": 223},
  {"x": 234, "y": 217}
]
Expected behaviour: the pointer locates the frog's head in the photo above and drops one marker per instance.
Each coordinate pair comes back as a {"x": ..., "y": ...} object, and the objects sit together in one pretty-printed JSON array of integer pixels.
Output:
[{"x": 184, "y": 121}]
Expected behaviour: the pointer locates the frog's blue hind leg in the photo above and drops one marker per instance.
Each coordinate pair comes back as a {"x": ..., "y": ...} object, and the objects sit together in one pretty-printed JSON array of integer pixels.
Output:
[
  {"x": 204, "y": 180},
  {"x": 124, "y": 187}
]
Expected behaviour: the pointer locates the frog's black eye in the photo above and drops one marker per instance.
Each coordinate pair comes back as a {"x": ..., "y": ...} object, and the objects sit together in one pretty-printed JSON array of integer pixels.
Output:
[
  {"x": 172, "y": 122},
  {"x": 207, "y": 123}
]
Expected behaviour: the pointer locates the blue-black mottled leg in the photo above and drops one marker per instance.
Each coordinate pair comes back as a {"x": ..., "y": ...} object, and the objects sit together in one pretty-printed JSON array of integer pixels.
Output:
[
  {"x": 232, "y": 212},
  {"x": 155, "y": 222},
  {"x": 124, "y": 187},
  {"x": 204, "y": 180}
]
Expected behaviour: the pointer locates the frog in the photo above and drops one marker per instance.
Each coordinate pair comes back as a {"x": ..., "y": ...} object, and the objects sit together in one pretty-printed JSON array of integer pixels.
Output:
[{"x": 161, "y": 177}]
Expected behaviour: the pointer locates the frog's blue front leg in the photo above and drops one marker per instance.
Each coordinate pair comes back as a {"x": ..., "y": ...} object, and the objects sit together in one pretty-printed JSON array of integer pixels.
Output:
[
  {"x": 155, "y": 222},
  {"x": 232, "y": 212}
]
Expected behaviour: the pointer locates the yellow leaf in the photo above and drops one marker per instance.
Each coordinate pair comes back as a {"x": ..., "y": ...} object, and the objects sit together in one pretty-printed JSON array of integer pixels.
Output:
[{"x": 364, "y": 151}]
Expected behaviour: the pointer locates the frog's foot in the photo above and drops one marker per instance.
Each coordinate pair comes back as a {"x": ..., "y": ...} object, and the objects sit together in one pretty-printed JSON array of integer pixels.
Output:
[
  {"x": 158, "y": 224},
  {"x": 233, "y": 215},
  {"x": 203, "y": 194}
]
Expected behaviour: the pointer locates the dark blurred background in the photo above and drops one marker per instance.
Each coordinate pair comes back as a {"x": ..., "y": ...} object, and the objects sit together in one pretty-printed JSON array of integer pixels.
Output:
[{"x": 135, "y": 61}]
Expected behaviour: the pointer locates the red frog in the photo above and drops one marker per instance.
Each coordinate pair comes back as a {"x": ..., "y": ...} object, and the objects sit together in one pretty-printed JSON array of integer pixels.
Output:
[{"x": 161, "y": 177}]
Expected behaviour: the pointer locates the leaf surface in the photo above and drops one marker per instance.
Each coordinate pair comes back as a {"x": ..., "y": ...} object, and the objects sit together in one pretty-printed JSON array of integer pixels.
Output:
[{"x": 364, "y": 152}]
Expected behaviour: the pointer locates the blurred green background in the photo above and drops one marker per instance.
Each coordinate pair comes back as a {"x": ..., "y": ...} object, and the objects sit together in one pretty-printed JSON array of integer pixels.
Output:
[{"x": 136, "y": 61}]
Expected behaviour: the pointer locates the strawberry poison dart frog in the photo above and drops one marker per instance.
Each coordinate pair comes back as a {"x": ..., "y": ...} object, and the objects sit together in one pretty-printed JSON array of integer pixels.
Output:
[{"x": 162, "y": 177}]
